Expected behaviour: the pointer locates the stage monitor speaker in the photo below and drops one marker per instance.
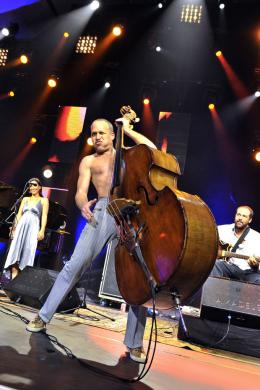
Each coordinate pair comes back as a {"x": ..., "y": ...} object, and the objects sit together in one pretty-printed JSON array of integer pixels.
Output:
[
  {"x": 32, "y": 286},
  {"x": 108, "y": 286},
  {"x": 223, "y": 297}
]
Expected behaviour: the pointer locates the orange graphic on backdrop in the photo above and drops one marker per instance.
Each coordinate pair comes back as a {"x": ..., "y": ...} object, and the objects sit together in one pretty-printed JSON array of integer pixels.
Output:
[
  {"x": 70, "y": 123},
  {"x": 164, "y": 115}
]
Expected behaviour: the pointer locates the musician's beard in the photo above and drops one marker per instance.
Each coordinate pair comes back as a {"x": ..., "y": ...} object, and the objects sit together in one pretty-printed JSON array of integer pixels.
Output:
[{"x": 240, "y": 226}]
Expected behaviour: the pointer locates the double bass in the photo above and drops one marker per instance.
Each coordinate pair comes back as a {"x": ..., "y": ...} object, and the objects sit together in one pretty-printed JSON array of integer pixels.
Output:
[{"x": 174, "y": 231}]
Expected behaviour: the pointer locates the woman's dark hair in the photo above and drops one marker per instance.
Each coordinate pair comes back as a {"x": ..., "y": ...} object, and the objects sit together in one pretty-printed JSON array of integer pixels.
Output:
[{"x": 39, "y": 183}]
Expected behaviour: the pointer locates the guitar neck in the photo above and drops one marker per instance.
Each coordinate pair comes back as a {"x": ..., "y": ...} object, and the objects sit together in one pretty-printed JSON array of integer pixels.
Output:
[{"x": 237, "y": 255}]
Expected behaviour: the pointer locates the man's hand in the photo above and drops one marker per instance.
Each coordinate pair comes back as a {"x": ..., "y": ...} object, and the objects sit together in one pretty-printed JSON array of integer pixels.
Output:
[
  {"x": 252, "y": 262},
  {"x": 86, "y": 209},
  {"x": 40, "y": 236},
  {"x": 11, "y": 232}
]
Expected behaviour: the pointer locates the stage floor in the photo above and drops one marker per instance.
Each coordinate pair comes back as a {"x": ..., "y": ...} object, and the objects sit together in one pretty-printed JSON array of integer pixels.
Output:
[{"x": 31, "y": 361}]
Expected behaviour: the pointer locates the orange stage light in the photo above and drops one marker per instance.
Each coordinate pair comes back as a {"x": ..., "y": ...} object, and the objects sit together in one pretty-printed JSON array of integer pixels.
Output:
[
  {"x": 11, "y": 93},
  {"x": 66, "y": 34},
  {"x": 257, "y": 155},
  {"x": 23, "y": 59},
  {"x": 52, "y": 83},
  {"x": 147, "y": 119},
  {"x": 164, "y": 145},
  {"x": 211, "y": 106},
  {"x": 258, "y": 34},
  {"x": 236, "y": 84},
  {"x": 218, "y": 53},
  {"x": 33, "y": 140},
  {"x": 117, "y": 30}
]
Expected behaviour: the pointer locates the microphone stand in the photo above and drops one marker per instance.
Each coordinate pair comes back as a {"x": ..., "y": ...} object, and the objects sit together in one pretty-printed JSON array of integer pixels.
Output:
[
  {"x": 85, "y": 306},
  {"x": 14, "y": 206}
]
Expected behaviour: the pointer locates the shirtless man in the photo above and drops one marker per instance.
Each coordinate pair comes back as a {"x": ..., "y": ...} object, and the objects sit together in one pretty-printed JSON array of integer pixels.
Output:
[{"x": 100, "y": 228}]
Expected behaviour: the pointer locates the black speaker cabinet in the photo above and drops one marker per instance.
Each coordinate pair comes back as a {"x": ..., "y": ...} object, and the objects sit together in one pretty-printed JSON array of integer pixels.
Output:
[
  {"x": 108, "y": 286},
  {"x": 32, "y": 286},
  {"x": 223, "y": 297}
]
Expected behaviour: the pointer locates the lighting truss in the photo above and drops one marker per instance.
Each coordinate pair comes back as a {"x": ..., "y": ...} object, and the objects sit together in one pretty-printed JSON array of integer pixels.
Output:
[
  {"x": 191, "y": 13},
  {"x": 3, "y": 56},
  {"x": 86, "y": 44}
]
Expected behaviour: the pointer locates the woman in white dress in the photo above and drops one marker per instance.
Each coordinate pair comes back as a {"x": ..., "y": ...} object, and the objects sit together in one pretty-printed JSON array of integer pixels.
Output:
[{"x": 29, "y": 228}]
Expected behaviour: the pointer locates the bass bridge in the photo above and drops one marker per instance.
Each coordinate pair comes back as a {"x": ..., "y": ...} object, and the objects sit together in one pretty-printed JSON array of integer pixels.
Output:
[
  {"x": 123, "y": 207},
  {"x": 122, "y": 210}
]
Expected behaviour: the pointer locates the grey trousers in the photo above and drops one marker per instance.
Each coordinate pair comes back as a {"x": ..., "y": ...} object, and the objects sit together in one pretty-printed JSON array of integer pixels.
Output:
[
  {"x": 93, "y": 238},
  {"x": 223, "y": 268}
]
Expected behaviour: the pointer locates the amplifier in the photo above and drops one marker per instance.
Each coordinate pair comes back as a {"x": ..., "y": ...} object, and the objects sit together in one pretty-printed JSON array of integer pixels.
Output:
[{"x": 222, "y": 297}]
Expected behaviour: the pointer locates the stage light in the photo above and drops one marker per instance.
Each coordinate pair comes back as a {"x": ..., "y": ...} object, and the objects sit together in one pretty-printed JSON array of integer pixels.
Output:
[
  {"x": 160, "y": 5},
  {"x": 107, "y": 84},
  {"x": 52, "y": 83},
  {"x": 89, "y": 141},
  {"x": 33, "y": 140},
  {"x": 66, "y": 34},
  {"x": 5, "y": 31},
  {"x": 211, "y": 106},
  {"x": 117, "y": 30},
  {"x": 95, "y": 5},
  {"x": 86, "y": 44},
  {"x": 23, "y": 59},
  {"x": 3, "y": 56},
  {"x": 146, "y": 101},
  {"x": 47, "y": 172},
  {"x": 191, "y": 13},
  {"x": 256, "y": 154},
  {"x": 221, "y": 5},
  {"x": 257, "y": 94},
  {"x": 158, "y": 49},
  {"x": 11, "y": 93}
]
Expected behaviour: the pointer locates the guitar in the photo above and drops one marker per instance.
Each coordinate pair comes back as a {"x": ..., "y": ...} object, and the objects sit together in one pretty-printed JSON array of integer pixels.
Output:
[{"x": 225, "y": 253}]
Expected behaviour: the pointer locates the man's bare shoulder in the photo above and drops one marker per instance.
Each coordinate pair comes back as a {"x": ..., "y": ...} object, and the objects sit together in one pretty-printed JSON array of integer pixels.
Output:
[{"x": 87, "y": 161}]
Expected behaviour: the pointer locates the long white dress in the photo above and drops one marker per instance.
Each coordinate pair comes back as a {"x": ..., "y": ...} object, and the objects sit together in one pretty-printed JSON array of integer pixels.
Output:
[{"x": 23, "y": 247}]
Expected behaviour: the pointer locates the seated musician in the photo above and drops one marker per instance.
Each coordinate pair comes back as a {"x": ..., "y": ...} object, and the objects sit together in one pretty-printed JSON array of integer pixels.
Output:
[{"x": 241, "y": 261}]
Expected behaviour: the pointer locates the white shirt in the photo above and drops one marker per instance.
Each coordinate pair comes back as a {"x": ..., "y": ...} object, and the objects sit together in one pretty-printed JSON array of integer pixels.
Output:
[{"x": 249, "y": 247}]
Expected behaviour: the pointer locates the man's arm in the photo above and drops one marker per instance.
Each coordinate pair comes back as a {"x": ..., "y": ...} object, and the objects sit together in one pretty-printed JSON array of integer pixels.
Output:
[
  {"x": 136, "y": 137},
  {"x": 81, "y": 196}
]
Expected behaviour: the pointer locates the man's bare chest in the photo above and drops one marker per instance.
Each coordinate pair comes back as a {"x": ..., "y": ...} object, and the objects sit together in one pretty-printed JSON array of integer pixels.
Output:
[{"x": 101, "y": 167}]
